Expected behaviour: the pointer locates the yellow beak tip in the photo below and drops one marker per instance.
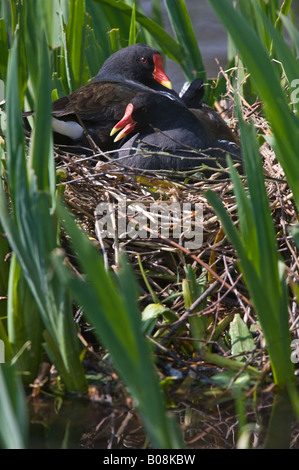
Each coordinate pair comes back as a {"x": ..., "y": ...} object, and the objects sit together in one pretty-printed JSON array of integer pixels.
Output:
[
  {"x": 113, "y": 131},
  {"x": 167, "y": 84},
  {"x": 118, "y": 137}
]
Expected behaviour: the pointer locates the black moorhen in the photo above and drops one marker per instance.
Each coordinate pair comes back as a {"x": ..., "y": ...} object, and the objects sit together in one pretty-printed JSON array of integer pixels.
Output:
[
  {"x": 168, "y": 136},
  {"x": 143, "y": 64},
  {"x": 140, "y": 63},
  {"x": 94, "y": 108},
  {"x": 192, "y": 93},
  {"x": 92, "y": 111},
  {"x": 215, "y": 126}
]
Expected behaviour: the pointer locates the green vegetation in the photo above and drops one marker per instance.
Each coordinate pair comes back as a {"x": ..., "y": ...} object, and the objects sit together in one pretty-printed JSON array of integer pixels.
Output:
[{"x": 153, "y": 305}]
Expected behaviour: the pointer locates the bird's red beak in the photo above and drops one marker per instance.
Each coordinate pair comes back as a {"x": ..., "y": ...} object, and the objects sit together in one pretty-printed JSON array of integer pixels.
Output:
[
  {"x": 126, "y": 124},
  {"x": 159, "y": 73}
]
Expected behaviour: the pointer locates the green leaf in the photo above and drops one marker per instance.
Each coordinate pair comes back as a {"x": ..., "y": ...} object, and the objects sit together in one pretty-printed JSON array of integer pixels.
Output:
[
  {"x": 246, "y": 219},
  {"x": 41, "y": 151},
  {"x": 292, "y": 30},
  {"x": 24, "y": 323},
  {"x": 157, "y": 13},
  {"x": 192, "y": 290},
  {"x": 266, "y": 80},
  {"x": 32, "y": 234},
  {"x": 172, "y": 48},
  {"x": 283, "y": 51},
  {"x": 3, "y": 49},
  {"x": 152, "y": 312},
  {"x": 14, "y": 132},
  {"x": 182, "y": 26},
  {"x": 132, "y": 35},
  {"x": 113, "y": 313},
  {"x": 264, "y": 275},
  {"x": 13, "y": 410},
  {"x": 114, "y": 40},
  {"x": 241, "y": 339},
  {"x": 75, "y": 40}
]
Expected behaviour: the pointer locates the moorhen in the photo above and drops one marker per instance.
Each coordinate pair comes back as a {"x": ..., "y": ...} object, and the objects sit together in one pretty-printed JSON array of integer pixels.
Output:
[
  {"x": 168, "y": 136},
  {"x": 93, "y": 109},
  {"x": 143, "y": 64},
  {"x": 138, "y": 62},
  {"x": 192, "y": 94}
]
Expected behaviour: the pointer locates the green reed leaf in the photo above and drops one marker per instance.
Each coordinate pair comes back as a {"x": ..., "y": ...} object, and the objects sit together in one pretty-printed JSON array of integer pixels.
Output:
[
  {"x": 13, "y": 410},
  {"x": 183, "y": 29},
  {"x": 112, "y": 310},
  {"x": 266, "y": 80}
]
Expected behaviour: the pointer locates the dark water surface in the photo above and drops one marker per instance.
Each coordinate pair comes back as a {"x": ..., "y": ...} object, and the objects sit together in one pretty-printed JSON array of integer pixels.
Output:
[
  {"x": 211, "y": 38},
  {"x": 109, "y": 423}
]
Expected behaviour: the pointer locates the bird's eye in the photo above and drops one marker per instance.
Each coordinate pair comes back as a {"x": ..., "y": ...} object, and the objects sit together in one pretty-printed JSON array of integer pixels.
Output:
[
  {"x": 144, "y": 109},
  {"x": 143, "y": 60}
]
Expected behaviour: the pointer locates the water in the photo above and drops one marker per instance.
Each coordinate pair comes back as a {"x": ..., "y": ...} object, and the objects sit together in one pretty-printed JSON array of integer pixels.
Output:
[
  {"x": 204, "y": 423},
  {"x": 211, "y": 38}
]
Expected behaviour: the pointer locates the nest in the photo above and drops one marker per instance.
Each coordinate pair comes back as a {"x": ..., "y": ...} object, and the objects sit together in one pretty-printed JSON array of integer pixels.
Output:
[
  {"x": 90, "y": 181},
  {"x": 160, "y": 260}
]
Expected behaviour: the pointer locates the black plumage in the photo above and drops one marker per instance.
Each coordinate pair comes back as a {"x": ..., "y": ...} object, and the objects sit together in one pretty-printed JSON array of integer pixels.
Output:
[{"x": 169, "y": 136}]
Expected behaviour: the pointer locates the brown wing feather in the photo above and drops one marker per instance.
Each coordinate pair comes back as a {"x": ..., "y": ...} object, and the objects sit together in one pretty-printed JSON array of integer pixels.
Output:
[{"x": 96, "y": 101}]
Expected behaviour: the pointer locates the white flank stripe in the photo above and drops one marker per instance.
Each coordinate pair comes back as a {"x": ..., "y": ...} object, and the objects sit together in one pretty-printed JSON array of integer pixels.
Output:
[{"x": 71, "y": 129}]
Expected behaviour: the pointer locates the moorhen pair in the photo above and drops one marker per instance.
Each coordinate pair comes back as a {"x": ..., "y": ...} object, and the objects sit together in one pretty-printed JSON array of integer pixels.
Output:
[
  {"x": 85, "y": 117},
  {"x": 92, "y": 110},
  {"x": 168, "y": 135}
]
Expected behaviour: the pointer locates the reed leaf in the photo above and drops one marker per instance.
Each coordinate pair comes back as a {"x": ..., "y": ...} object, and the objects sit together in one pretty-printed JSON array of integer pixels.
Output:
[
  {"x": 267, "y": 82},
  {"x": 110, "y": 305},
  {"x": 182, "y": 27},
  {"x": 41, "y": 152},
  {"x": 13, "y": 410},
  {"x": 263, "y": 270},
  {"x": 241, "y": 339},
  {"x": 4, "y": 270},
  {"x": 132, "y": 34},
  {"x": 32, "y": 232},
  {"x": 167, "y": 44},
  {"x": 75, "y": 41},
  {"x": 114, "y": 40},
  {"x": 157, "y": 13},
  {"x": 3, "y": 49},
  {"x": 293, "y": 32},
  {"x": 24, "y": 323},
  {"x": 192, "y": 290}
]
